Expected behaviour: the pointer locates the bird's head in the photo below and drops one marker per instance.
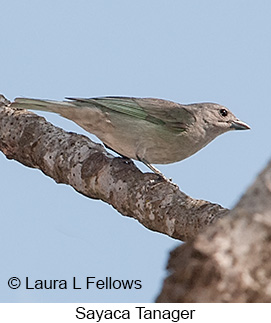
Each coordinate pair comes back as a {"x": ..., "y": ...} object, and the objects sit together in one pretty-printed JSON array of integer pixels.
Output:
[{"x": 217, "y": 118}]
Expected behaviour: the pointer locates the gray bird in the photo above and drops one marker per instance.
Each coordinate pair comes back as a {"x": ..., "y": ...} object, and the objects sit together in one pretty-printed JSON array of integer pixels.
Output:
[{"x": 153, "y": 131}]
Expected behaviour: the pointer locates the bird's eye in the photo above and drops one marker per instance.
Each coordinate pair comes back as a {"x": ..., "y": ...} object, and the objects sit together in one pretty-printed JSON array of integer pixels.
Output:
[{"x": 223, "y": 112}]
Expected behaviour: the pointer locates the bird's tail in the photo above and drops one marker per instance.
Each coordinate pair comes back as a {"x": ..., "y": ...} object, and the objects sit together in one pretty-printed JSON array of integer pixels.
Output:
[{"x": 40, "y": 105}]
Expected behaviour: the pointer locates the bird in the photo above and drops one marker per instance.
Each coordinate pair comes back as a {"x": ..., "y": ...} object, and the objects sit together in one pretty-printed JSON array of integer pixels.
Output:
[{"x": 150, "y": 130}]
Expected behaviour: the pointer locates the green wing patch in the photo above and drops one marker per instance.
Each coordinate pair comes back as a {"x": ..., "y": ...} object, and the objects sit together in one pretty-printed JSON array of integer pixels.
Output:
[{"x": 156, "y": 111}]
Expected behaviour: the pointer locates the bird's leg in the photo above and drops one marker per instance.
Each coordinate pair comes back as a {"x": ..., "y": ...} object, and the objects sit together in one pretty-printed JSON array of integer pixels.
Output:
[
  {"x": 154, "y": 169},
  {"x": 150, "y": 166}
]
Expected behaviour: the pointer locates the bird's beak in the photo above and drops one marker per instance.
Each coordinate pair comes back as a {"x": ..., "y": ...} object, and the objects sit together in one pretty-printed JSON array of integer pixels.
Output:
[{"x": 239, "y": 125}]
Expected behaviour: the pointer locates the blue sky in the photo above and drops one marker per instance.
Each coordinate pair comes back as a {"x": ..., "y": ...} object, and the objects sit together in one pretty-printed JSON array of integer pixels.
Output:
[{"x": 185, "y": 51}]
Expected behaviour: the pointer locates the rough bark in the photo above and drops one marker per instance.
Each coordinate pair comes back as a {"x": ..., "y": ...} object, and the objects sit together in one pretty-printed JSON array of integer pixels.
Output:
[
  {"x": 231, "y": 260},
  {"x": 77, "y": 161}
]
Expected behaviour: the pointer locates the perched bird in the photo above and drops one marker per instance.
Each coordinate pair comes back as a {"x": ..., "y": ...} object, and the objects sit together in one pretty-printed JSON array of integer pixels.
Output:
[{"x": 153, "y": 131}]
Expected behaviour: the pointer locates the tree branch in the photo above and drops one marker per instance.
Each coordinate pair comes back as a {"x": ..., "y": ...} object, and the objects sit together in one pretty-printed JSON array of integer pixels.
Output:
[
  {"x": 77, "y": 161},
  {"x": 230, "y": 262}
]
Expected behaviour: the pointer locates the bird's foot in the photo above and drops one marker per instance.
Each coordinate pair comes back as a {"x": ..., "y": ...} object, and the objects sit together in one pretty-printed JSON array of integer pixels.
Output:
[{"x": 156, "y": 171}]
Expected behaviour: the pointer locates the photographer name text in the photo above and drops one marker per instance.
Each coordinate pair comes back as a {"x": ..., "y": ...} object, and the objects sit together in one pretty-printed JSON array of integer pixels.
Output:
[{"x": 74, "y": 283}]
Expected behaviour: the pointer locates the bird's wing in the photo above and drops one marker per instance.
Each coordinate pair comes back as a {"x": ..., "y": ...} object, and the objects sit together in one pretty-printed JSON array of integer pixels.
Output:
[{"x": 157, "y": 111}]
